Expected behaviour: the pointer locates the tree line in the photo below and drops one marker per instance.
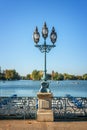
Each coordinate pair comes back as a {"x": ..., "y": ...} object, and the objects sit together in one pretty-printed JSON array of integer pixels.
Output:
[{"x": 10, "y": 74}]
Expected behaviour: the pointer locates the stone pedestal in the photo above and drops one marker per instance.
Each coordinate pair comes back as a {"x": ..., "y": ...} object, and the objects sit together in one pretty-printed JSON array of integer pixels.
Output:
[{"x": 44, "y": 112}]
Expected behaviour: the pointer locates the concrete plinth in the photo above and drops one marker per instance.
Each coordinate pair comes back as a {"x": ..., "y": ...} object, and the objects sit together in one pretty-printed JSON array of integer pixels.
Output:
[{"x": 44, "y": 112}]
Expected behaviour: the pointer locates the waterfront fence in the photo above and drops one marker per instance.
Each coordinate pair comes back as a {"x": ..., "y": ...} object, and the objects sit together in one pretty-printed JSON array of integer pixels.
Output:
[{"x": 26, "y": 107}]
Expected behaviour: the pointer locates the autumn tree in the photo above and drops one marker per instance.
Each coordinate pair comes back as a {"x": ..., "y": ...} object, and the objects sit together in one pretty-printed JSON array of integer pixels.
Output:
[
  {"x": 36, "y": 75},
  {"x": 11, "y": 75}
]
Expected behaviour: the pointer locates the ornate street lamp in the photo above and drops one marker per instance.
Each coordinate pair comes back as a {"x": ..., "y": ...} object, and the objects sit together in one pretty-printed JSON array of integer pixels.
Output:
[{"x": 44, "y": 48}]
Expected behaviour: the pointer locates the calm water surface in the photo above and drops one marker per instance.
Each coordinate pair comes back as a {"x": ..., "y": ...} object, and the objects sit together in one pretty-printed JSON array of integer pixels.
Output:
[{"x": 30, "y": 88}]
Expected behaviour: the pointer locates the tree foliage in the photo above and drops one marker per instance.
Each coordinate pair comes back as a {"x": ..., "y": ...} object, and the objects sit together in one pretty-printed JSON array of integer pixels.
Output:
[
  {"x": 85, "y": 76},
  {"x": 10, "y": 75},
  {"x": 36, "y": 75}
]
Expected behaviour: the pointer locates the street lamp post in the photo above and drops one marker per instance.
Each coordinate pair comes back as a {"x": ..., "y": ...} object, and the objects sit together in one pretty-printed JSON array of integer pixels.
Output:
[
  {"x": 45, "y": 113},
  {"x": 45, "y": 48}
]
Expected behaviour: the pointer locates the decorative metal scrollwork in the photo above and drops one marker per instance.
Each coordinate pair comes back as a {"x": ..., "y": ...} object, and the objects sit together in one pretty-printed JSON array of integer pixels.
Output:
[
  {"x": 65, "y": 107},
  {"x": 26, "y": 107},
  {"x": 45, "y": 48},
  {"x": 20, "y": 107}
]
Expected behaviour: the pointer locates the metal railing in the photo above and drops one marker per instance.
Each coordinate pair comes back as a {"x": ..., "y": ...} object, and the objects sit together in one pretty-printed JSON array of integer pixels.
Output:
[
  {"x": 26, "y": 107},
  {"x": 18, "y": 107},
  {"x": 69, "y": 108}
]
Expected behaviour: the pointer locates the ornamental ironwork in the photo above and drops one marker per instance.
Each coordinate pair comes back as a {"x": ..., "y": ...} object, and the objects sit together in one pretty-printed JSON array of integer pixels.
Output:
[
  {"x": 45, "y": 48},
  {"x": 26, "y": 107},
  {"x": 65, "y": 108},
  {"x": 19, "y": 107}
]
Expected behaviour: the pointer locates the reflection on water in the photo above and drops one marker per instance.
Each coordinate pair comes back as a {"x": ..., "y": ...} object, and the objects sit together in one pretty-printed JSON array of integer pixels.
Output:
[{"x": 30, "y": 88}]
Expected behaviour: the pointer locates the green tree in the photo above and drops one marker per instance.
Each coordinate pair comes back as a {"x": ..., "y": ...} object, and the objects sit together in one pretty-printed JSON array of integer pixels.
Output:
[
  {"x": 79, "y": 77},
  {"x": 11, "y": 75},
  {"x": 36, "y": 75},
  {"x": 85, "y": 76},
  {"x": 28, "y": 76},
  {"x": 55, "y": 77},
  {"x": 48, "y": 76},
  {"x": 69, "y": 77},
  {"x": 60, "y": 77},
  {"x": 2, "y": 75},
  {"x": 65, "y": 76}
]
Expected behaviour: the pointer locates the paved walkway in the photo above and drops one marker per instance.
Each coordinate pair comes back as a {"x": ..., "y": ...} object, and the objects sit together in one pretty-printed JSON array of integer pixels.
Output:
[{"x": 34, "y": 125}]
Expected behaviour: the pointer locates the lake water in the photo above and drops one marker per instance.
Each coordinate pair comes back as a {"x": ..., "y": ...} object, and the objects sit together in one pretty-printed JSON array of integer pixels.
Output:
[{"x": 30, "y": 88}]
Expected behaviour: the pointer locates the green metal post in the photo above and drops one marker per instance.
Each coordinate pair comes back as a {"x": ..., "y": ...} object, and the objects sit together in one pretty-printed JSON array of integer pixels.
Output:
[{"x": 45, "y": 60}]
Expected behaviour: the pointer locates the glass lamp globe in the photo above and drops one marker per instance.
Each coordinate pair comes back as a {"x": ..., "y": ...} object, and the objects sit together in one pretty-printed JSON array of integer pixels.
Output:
[
  {"x": 53, "y": 36},
  {"x": 36, "y": 36},
  {"x": 45, "y": 31}
]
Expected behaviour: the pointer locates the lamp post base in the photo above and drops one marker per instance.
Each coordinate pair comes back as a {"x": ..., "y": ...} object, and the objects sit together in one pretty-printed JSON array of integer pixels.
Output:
[
  {"x": 45, "y": 112},
  {"x": 44, "y": 87},
  {"x": 45, "y": 116}
]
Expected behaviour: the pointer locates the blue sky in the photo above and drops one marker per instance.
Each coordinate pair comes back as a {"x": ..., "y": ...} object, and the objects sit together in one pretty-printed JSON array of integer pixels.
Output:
[{"x": 18, "y": 19}]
